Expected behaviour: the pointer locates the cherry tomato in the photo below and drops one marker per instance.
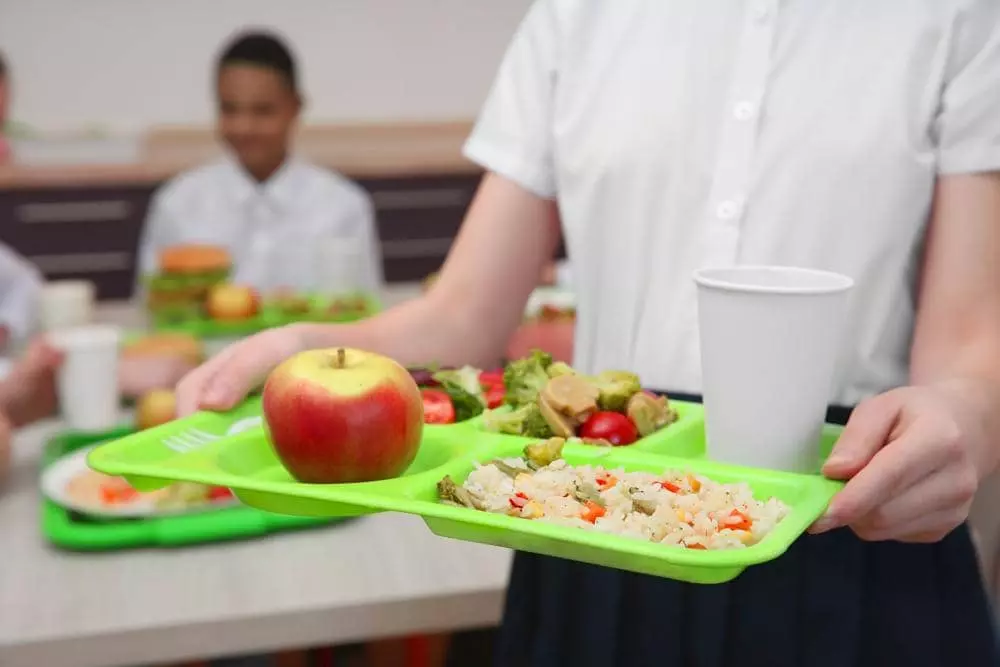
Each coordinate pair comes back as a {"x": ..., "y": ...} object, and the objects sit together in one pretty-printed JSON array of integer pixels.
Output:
[
  {"x": 495, "y": 396},
  {"x": 219, "y": 493},
  {"x": 438, "y": 408},
  {"x": 614, "y": 427},
  {"x": 491, "y": 378}
]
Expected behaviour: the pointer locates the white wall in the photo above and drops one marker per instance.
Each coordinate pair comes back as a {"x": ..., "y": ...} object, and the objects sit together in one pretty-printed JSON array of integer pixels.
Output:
[{"x": 127, "y": 64}]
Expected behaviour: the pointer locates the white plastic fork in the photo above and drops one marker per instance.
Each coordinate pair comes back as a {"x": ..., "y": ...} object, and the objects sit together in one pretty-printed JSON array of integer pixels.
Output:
[
  {"x": 190, "y": 440},
  {"x": 195, "y": 438}
]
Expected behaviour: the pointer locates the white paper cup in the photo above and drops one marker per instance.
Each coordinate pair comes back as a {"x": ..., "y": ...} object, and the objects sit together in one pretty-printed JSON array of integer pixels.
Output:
[
  {"x": 66, "y": 303},
  {"x": 770, "y": 341},
  {"x": 87, "y": 382}
]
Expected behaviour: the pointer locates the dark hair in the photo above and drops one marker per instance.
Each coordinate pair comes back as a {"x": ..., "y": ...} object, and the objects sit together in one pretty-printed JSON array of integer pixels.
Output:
[
  {"x": 261, "y": 49},
  {"x": 3, "y": 66}
]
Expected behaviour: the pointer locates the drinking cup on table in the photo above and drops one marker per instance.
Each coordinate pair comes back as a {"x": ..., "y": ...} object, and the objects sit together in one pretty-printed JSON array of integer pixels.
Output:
[
  {"x": 87, "y": 381},
  {"x": 66, "y": 303},
  {"x": 770, "y": 340}
]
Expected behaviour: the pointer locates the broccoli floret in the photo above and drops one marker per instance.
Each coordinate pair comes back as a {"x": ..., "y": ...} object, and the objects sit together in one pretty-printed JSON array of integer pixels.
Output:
[
  {"x": 535, "y": 425},
  {"x": 524, "y": 378},
  {"x": 525, "y": 420},
  {"x": 616, "y": 387}
]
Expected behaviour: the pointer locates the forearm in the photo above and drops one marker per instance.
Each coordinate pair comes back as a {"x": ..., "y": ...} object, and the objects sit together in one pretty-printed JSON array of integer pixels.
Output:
[{"x": 970, "y": 373}]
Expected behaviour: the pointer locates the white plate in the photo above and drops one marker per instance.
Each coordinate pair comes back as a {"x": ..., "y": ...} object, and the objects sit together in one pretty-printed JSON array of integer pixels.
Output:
[{"x": 56, "y": 477}]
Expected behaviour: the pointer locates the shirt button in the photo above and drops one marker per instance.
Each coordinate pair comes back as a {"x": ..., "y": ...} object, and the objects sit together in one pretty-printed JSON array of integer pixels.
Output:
[
  {"x": 727, "y": 210},
  {"x": 744, "y": 111},
  {"x": 761, "y": 13}
]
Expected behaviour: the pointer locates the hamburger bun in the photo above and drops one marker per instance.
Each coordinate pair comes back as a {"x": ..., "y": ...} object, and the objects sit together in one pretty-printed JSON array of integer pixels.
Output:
[
  {"x": 194, "y": 259},
  {"x": 181, "y": 345}
]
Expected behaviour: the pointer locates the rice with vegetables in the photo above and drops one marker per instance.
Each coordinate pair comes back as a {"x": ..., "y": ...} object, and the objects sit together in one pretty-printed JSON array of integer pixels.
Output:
[{"x": 675, "y": 508}]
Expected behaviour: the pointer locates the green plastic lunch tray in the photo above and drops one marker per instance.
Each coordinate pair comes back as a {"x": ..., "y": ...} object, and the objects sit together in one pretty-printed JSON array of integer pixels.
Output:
[
  {"x": 70, "y": 530},
  {"x": 246, "y": 463},
  {"x": 270, "y": 316}
]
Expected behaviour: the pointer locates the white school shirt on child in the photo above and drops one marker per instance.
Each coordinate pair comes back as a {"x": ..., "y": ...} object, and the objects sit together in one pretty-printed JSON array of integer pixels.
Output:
[
  {"x": 677, "y": 135},
  {"x": 295, "y": 211}
]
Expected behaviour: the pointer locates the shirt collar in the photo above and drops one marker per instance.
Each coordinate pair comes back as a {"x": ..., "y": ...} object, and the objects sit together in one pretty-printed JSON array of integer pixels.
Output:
[{"x": 277, "y": 190}]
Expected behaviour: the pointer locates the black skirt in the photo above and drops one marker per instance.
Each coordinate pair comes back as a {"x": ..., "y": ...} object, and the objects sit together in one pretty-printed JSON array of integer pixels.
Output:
[{"x": 832, "y": 599}]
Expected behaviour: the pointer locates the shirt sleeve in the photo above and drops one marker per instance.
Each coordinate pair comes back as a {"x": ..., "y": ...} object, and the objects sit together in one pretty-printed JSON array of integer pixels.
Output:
[
  {"x": 968, "y": 122},
  {"x": 20, "y": 291},
  {"x": 513, "y": 134}
]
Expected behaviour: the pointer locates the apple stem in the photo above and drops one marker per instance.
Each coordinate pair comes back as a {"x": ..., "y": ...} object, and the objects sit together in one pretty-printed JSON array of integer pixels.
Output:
[{"x": 341, "y": 360}]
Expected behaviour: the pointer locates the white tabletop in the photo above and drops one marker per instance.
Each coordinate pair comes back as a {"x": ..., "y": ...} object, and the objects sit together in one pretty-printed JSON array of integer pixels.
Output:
[{"x": 379, "y": 576}]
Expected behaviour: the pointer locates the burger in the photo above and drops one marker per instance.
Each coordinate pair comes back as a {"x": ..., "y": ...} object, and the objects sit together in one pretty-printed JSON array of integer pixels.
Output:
[
  {"x": 186, "y": 275},
  {"x": 182, "y": 345}
]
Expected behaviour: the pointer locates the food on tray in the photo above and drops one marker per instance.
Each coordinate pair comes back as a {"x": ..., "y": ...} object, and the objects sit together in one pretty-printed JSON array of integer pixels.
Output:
[
  {"x": 91, "y": 489},
  {"x": 228, "y": 302},
  {"x": 546, "y": 398},
  {"x": 343, "y": 415},
  {"x": 155, "y": 407},
  {"x": 552, "y": 313},
  {"x": 456, "y": 394},
  {"x": 291, "y": 304},
  {"x": 186, "y": 274},
  {"x": 674, "y": 508},
  {"x": 180, "y": 345},
  {"x": 348, "y": 307}
]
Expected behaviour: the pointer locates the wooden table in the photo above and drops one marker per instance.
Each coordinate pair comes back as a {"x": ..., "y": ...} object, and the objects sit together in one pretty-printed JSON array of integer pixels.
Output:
[{"x": 380, "y": 576}]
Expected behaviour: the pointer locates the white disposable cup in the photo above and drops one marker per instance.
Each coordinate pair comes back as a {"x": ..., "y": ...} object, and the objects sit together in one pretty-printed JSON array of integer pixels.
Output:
[
  {"x": 87, "y": 381},
  {"x": 338, "y": 266},
  {"x": 66, "y": 303},
  {"x": 770, "y": 342}
]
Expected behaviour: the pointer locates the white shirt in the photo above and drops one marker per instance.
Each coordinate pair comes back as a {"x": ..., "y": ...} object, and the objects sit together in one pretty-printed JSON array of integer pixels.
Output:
[
  {"x": 282, "y": 233},
  {"x": 678, "y": 134},
  {"x": 20, "y": 292}
]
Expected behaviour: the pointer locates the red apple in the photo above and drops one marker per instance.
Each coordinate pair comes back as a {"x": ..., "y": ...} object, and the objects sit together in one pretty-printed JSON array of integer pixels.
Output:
[
  {"x": 343, "y": 415},
  {"x": 232, "y": 302}
]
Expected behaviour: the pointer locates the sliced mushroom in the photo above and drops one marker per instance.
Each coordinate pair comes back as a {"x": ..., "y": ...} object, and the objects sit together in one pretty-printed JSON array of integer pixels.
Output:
[
  {"x": 572, "y": 396},
  {"x": 561, "y": 426}
]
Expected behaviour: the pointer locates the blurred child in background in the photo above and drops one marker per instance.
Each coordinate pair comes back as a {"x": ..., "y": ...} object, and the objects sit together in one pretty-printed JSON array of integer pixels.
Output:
[{"x": 259, "y": 199}]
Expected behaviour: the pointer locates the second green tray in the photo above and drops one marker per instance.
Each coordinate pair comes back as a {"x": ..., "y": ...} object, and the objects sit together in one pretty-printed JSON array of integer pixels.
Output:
[
  {"x": 268, "y": 318},
  {"x": 69, "y": 530}
]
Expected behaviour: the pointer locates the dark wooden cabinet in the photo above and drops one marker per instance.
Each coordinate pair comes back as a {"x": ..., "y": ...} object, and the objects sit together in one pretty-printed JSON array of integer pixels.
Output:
[
  {"x": 93, "y": 232},
  {"x": 89, "y": 233}
]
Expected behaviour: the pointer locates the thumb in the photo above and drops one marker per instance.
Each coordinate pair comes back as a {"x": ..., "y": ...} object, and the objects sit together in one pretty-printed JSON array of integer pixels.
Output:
[{"x": 866, "y": 432}]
